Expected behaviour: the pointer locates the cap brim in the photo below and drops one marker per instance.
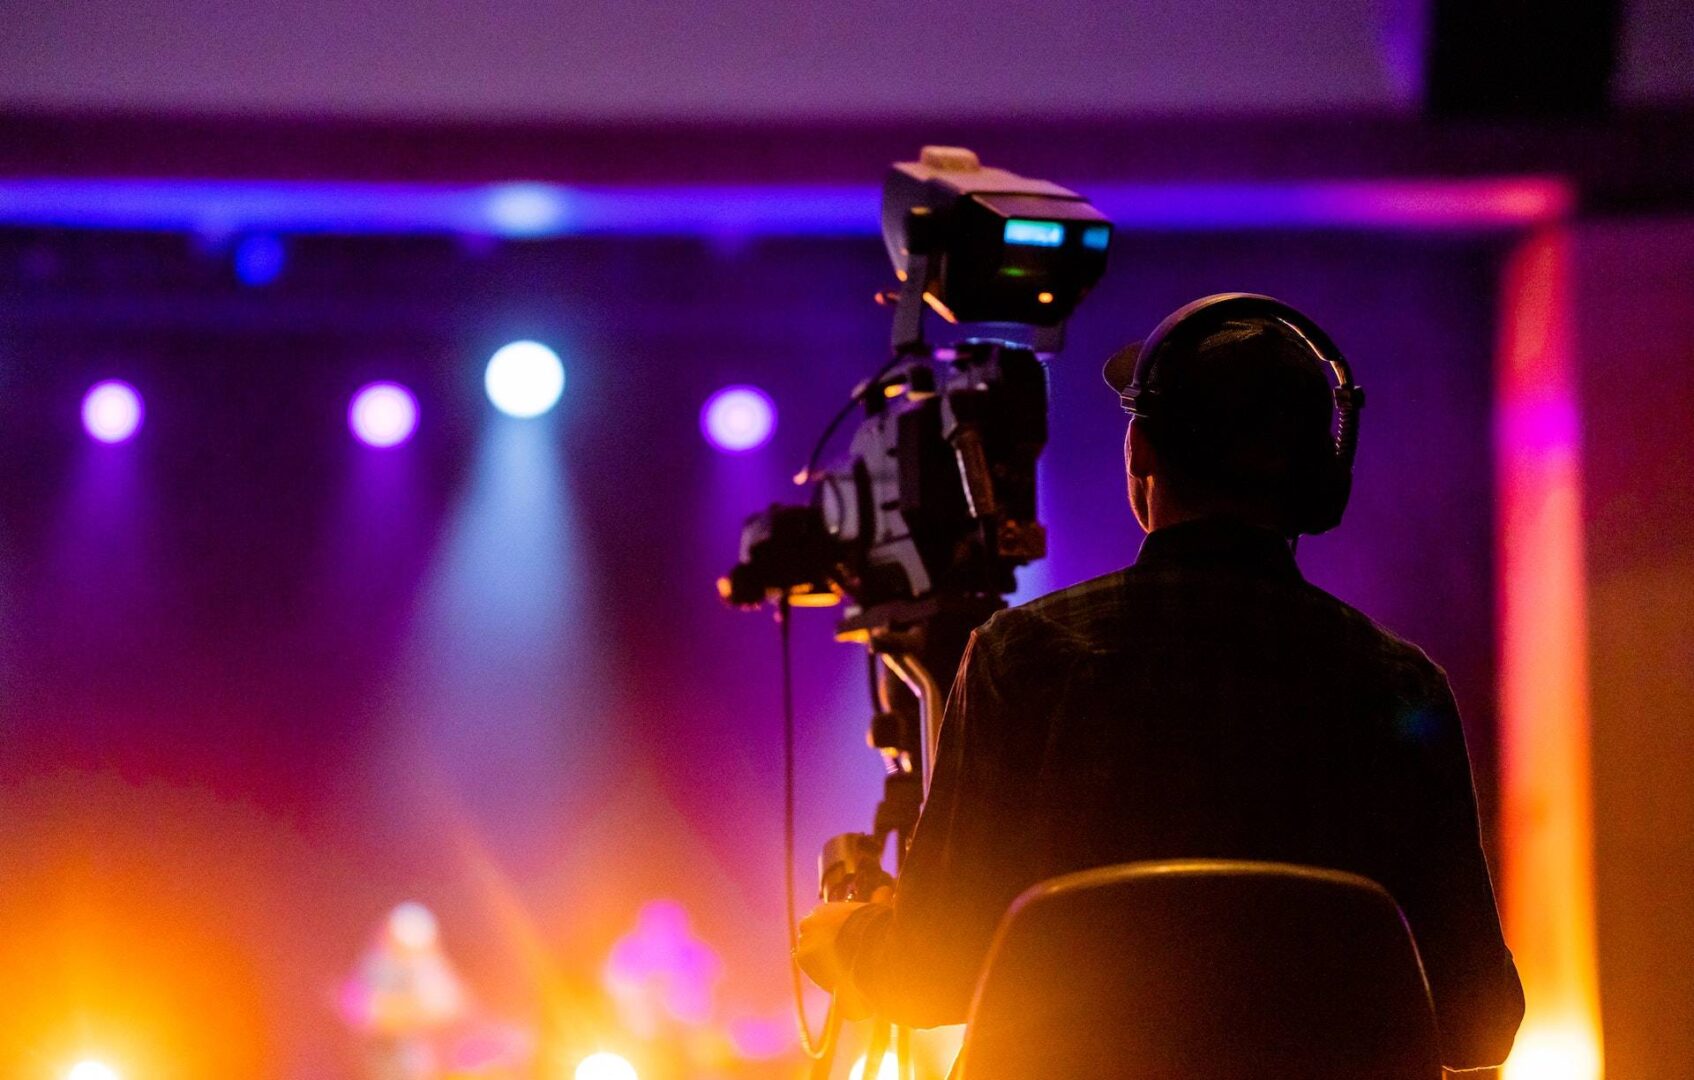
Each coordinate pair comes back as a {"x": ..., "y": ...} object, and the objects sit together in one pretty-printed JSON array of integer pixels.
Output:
[{"x": 1120, "y": 369}]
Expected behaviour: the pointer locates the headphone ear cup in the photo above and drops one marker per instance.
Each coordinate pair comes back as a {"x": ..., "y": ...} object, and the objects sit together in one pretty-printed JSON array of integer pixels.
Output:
[{"x": 1323, "y": 497}]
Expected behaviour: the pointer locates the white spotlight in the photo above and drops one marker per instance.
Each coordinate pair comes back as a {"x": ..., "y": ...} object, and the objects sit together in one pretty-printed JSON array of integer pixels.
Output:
[
  {"x": 524, "y": 379},
  {"x": 605, "y": 1066},
  {"x": 888, "y": 1070},
  {"x": 526, "y": 209},
  {"x": 92, "y": 1070}
]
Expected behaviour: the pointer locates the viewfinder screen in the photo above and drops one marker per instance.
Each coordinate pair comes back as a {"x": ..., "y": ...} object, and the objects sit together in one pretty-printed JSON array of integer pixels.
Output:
[{"x": 1034, "y": 233}]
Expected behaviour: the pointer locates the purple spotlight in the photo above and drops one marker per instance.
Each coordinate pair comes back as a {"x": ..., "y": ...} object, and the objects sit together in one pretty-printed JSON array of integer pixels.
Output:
[
  {"x": 383, "y": 414},
  {"x": 737, "y": 419},
  {"x": 111, "y": 411}
]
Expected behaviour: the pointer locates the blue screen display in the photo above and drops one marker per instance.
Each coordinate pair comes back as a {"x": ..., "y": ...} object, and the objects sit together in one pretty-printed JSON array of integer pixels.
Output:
[
  {"x": 1097, "y": 237},
  {"x": 1034, "y": 233}
]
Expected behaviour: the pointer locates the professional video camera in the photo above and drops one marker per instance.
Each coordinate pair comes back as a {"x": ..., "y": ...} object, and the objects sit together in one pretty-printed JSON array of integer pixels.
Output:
[
  {"x": 920, "y": 530},
  {"x": 937, "y": 498}
]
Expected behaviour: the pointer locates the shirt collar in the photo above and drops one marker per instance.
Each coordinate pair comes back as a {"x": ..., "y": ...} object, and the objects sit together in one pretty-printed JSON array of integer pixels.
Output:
[{"x": 1219, "y": 542}]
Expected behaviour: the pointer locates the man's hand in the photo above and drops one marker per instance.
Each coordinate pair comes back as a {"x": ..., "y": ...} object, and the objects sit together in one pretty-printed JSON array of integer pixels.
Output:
[
  {"x": 818, "y": 933},
  {"x": 819, "y": 957}
]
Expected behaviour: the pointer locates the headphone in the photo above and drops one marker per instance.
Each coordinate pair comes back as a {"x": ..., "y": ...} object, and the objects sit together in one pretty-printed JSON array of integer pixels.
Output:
[{"x": 1323, "y": 486}]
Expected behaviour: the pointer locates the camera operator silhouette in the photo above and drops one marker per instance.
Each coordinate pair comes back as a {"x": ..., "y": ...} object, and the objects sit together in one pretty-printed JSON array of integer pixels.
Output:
[{"x": 1204, "y": 702}]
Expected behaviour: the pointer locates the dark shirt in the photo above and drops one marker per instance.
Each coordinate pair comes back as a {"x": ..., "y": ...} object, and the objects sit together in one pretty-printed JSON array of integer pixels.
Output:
[{"x": 1206, "y": 702}]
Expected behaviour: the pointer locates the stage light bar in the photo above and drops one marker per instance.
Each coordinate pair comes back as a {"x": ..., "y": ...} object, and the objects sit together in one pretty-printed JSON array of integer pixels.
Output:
[
  {"x": 383, "y": 414},
  {"x": 738, "y": 419},
  {"x": 524, "y": 379},
  {"x": 112, "y": 411}
]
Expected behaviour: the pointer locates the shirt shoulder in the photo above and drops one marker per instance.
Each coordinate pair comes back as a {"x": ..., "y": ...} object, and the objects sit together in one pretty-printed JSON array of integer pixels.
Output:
[
  {"x": 1098, "y": 615},
  {"x": 1400, "y": 660},
  {"x": 1076, "y": 619}
]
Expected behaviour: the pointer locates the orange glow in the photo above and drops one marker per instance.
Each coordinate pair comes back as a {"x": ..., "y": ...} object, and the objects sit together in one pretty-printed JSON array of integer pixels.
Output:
[
  {"x": 814, "y": 599},
  {"x": 125, "y": 945},
  {"x": 1545, "y": 780},
  {"x": 939, "y": 308},
  {"x": 1548, "y": 1053}
]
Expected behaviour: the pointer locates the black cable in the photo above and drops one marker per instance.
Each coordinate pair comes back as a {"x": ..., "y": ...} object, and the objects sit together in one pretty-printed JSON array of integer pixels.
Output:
[
  {"x": 845, "y": 411},
  {"x": 820, "y": 1046}
]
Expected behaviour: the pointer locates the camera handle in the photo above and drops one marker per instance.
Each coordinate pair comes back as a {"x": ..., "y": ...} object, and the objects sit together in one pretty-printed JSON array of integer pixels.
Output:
[{"x": 907, "y": 335}]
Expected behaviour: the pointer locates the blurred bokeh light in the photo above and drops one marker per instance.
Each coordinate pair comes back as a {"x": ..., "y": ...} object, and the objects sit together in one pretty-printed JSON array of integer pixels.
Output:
[
  {"x": 112, "y": 411},
  {"x": 383, "y": 414},
  {"x": 605, "y": 1066},
  {"x": 524, "y": 379},
  {"x": 737, "y": 419}
]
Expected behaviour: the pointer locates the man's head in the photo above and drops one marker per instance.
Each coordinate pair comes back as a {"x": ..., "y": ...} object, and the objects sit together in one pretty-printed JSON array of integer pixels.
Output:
[{"x": 1244, "y": 413}]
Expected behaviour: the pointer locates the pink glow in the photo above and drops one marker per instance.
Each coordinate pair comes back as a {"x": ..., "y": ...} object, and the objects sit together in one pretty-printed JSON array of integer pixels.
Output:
[
  {"x": 660, "y": 969},
  {"x": 1512, "y": 202},
  {"x": 760, "y": 1038},
  {"x": 1547, "y": 811}
]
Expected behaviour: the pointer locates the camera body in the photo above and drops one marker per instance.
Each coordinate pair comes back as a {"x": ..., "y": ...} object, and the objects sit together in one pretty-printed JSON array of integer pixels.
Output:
[
  {"x": 937, "y": 494},
  {"x": 937, "y": 498}
]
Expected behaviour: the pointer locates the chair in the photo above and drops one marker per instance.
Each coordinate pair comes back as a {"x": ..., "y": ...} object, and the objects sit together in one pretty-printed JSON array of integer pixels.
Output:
[{"x": 1203, "y": 970}]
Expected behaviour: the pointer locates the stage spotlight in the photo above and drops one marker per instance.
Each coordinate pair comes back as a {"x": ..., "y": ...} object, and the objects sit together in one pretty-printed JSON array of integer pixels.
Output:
[
  {"x": 524, "y": 379},
  {"x": 737, "y": 419},
  {"x": 92, "y": 1070},
  {"x": 111, "y": 411},
  {"x": 605, "y": 1066},
  {"x": 383, "y": 414}
]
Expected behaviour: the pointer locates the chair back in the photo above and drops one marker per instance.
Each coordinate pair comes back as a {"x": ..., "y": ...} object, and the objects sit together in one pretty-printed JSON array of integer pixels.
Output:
[{"x": 1203, "y": 970}]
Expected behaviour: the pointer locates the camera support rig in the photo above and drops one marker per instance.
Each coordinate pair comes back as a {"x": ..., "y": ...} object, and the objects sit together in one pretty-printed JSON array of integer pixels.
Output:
[
  {"x": 909, "y": 644},
  {"x": 922, "y": 529},
  {"x": 920, "y": 643},
  {"x": 989, "y": 416}
]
